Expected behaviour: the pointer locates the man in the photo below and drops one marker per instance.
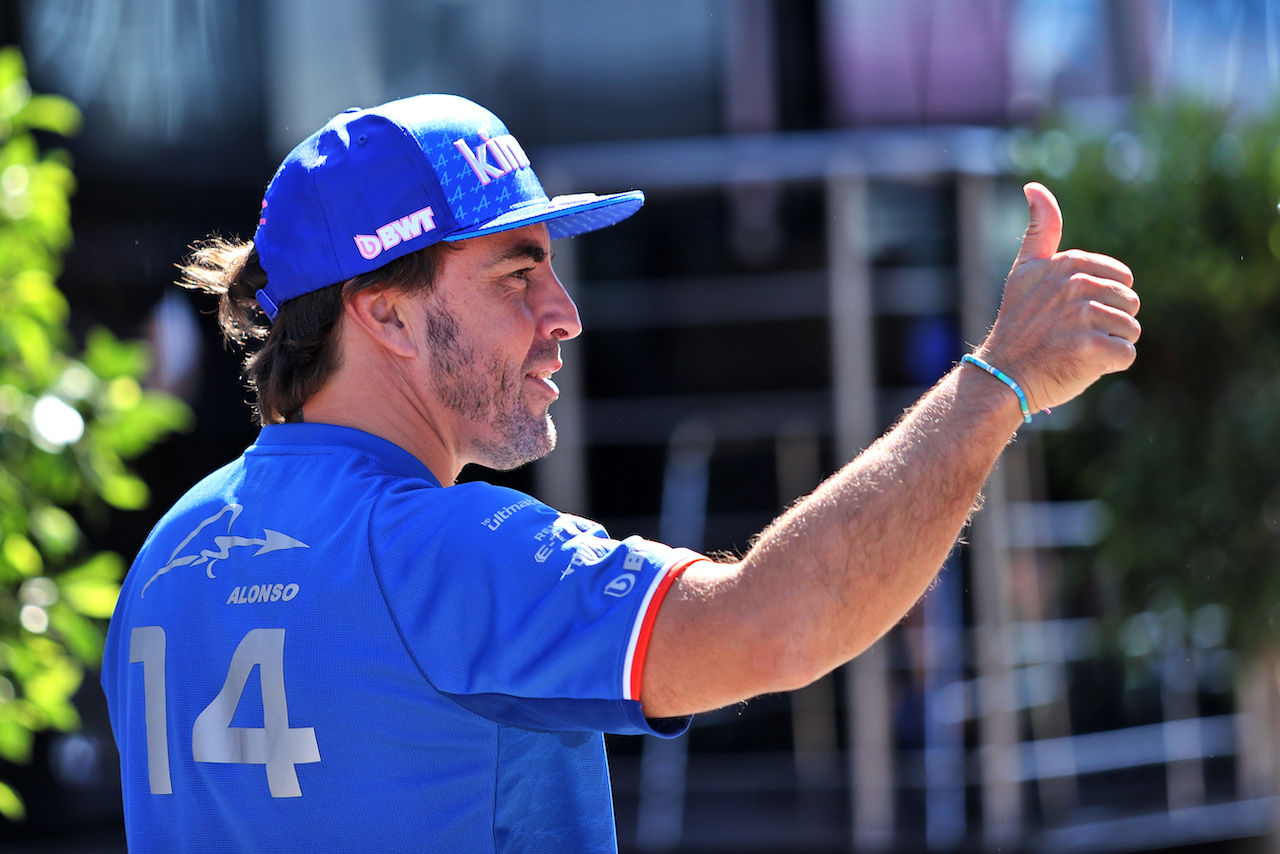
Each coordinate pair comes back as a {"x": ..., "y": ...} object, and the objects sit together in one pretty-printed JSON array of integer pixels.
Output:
[{"x": 327, "y": 645}]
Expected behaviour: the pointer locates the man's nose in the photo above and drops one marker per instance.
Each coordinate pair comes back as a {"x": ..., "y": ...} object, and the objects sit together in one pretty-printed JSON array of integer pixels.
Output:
[{"x": 560, "y": 319}]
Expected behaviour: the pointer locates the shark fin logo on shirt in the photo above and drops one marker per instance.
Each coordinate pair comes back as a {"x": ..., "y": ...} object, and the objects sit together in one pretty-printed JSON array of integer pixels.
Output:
[{"x": 270, "y": 541}]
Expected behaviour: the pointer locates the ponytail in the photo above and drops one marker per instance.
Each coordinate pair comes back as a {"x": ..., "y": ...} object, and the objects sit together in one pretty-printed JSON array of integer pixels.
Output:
[{"x": 300, "y": 350}]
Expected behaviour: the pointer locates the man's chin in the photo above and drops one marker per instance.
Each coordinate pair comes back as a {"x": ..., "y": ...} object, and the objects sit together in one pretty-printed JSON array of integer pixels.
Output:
[
  {"x": 530, "y": 445},
  {"x": 545, "y": 445}
]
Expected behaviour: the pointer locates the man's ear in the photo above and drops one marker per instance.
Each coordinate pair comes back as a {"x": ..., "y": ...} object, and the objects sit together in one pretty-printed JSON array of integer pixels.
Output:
[{"x": 381, "y": 314}]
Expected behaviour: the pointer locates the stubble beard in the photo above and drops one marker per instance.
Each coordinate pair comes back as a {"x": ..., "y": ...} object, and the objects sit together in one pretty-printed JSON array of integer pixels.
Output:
[{"x": 488, "y": 392}]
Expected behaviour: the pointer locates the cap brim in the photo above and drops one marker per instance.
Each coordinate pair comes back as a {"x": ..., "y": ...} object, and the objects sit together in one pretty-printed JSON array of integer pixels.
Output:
[{"x": 565, "y": 216}]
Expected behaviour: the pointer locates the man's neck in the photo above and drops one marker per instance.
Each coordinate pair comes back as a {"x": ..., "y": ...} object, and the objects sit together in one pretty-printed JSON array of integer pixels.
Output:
[{"x": 371, "y": 409}]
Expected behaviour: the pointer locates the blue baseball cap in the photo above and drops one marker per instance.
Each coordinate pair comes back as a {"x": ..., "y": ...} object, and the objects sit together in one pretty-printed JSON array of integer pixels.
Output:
[{"x": 374, "y": 185}]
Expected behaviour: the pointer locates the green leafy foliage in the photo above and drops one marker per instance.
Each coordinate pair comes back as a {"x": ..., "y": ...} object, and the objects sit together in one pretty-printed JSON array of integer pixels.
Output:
[
  {"x": 68, "y": 426},
  {"x": 1185, "y": 446}
]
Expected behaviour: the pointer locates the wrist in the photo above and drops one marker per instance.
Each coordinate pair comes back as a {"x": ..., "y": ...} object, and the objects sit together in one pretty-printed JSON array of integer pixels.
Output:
[{"x": 978, "y": 362}]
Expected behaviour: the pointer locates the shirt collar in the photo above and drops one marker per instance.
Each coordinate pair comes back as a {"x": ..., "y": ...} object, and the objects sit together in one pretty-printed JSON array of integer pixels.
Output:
[{"x": 286, "y": 438}]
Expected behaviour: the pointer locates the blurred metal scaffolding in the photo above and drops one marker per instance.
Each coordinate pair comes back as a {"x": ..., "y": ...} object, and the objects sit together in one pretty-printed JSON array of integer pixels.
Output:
[{"x": 984, "y": 670}]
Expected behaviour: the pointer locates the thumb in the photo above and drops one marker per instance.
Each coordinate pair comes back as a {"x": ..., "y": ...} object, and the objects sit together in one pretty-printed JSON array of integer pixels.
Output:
[{"x": 1044, "y": 231}]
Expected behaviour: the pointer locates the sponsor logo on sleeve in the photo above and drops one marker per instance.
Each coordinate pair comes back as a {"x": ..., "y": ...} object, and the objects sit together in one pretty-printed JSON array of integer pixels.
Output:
[
  {"x": 621, "y": 586},
  {"x": 494, "y": 521},
  {"x": 569, "y": 534},
  {"x": 626, "y": 582}
]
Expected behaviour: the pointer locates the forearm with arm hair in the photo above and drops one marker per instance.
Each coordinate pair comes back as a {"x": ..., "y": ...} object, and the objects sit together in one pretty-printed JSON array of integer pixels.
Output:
[{"x": 843, "y": 565}]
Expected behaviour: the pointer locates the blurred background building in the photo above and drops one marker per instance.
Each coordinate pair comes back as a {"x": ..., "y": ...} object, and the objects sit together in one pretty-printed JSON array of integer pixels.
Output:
[{"x": 830, "y": 219}]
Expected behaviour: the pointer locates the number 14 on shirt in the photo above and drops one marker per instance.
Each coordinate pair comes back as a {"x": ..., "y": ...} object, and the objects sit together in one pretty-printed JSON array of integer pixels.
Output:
[{"x": 213, "y": 739}]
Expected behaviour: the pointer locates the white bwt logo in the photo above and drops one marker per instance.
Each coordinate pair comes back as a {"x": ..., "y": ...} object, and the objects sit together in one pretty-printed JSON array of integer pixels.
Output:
[{"x": 395, "y": 232}]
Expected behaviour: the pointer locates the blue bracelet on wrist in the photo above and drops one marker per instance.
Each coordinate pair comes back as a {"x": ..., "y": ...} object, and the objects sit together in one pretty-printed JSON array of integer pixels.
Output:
[{"x": 1004, "y": 378}]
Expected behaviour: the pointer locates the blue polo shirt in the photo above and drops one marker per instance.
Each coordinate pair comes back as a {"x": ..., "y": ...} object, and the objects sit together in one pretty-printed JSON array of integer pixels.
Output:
[{"x": 320, "y": 649}]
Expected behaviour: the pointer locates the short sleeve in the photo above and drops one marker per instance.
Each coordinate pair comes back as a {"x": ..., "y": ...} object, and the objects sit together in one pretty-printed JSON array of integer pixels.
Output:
[{"x": 522, "y": 614}]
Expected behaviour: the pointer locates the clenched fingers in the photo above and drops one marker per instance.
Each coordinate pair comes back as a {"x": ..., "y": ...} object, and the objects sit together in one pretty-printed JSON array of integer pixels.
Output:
[
  {"x": 1113, "y": 353},
  {"x": 1108, "y": 292},
  {"x": 1115, "y": 322},
  {"x": 1093, "y": 264}
]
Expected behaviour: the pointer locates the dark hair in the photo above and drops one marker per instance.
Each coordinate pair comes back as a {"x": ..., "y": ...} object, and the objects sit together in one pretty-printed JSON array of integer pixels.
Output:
[{"x": 299, "y": 350}]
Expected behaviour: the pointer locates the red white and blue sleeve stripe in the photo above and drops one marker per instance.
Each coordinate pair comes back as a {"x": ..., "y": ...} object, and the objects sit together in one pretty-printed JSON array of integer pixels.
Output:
[{"x": 633, "y": 669}]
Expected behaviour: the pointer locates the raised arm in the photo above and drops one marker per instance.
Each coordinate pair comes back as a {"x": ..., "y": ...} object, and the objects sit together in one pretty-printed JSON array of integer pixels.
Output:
[{"x": 840, "y": 568}]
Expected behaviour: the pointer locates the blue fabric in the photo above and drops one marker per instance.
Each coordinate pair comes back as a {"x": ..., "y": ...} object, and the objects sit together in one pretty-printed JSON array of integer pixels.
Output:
[{"x": 354, "y": 658}]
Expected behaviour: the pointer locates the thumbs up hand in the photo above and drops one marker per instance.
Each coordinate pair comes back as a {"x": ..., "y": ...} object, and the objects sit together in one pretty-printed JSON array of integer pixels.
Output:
[{"x": 1066, "y": 318}]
